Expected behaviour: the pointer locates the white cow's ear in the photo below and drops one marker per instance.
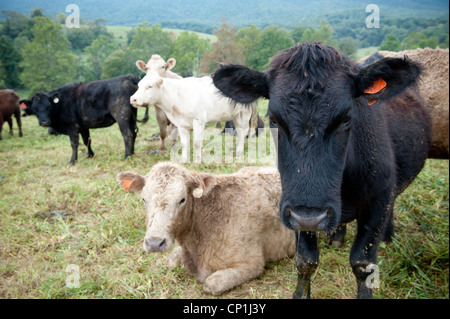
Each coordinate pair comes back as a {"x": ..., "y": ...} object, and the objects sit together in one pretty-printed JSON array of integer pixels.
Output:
[
  {"x": 131, "y": 182},
  {"x": 204, "y": 184},
  {"x": 141, "y": 65},
  {"x": 170, "y": 64},
  {"x": 160, "y": 82}
]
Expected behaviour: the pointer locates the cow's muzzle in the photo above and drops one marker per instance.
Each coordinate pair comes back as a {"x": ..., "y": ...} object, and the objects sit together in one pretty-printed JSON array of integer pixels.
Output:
[
  {"x": 306, "y": 218},
  {"x": 155, "y": 244}
]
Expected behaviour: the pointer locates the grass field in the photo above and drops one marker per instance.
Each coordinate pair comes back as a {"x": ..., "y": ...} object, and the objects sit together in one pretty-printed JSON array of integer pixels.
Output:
[{"x": 101, "y": 238}]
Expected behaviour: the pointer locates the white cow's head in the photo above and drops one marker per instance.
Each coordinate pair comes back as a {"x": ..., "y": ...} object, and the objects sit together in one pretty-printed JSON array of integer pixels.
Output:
[
  {"x": 168, "y": 192},
  {"x": 156, "y": 64},
  {"x": 148, "y": 92}
]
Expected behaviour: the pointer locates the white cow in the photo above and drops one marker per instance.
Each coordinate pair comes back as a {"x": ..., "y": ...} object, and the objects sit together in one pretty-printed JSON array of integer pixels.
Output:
[
  {"x": 190, "y": 103},
  {"x": 157, "y": 64}
]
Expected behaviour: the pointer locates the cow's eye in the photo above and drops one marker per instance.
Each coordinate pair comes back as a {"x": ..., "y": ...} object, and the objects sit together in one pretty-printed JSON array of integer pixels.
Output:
[
  {"x": 347, "y": 121},
  {"x": 163, "y": 67},
  {"x": 182, "y": 201},
  {"x": 272, "y": 122}
]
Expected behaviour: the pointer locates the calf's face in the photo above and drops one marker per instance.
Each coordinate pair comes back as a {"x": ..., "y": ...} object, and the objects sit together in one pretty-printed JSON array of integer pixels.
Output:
[
  {"x": 167, "y": 191},
  {"x": 156, "y": 64},
  {"x": 41, "y": 104},
  {"x": 148, "y": 91}
]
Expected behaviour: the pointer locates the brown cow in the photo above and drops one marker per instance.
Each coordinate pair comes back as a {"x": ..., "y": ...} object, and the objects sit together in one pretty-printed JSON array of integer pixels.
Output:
[
  {"x": 433, "y": 88},
  {"x": 228, "y": 226},
  {"x": 158, "y": 65},
  {"x": 9, "y": 105}
]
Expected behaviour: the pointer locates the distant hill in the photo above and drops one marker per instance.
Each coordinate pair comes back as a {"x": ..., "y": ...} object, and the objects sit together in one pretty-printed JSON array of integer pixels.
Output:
[{"x": 206, "y": 15}]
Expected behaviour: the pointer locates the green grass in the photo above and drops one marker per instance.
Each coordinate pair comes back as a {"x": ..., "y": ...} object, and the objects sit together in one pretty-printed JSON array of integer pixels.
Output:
[{"x": 103, "y": 237}]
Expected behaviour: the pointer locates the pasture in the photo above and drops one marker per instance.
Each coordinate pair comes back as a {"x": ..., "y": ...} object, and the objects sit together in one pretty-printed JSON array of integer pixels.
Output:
[{"x": 102, "y": 230}]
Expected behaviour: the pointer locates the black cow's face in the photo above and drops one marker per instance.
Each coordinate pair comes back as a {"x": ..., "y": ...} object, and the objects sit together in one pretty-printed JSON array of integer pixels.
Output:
[
  {"x": 313, "y": 92},
  {"x": 313, "y": 131},
  {"x": 41, "y": 104}
]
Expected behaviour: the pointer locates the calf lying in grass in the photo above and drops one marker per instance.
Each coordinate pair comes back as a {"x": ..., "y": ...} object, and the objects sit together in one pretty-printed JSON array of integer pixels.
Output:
[{"x": 228, "y": 226}]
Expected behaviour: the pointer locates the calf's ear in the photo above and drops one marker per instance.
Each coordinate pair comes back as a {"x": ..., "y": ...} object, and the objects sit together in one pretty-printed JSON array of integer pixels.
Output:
[
  {"x": 131, "y": 181},
  {"x": 241, "y": 84},
  {"x": 203, "y": 184},
  {"x": 386, "y": 78},
  {"x": 170, "y": 64},
  {"x": 141, "y": 65}
]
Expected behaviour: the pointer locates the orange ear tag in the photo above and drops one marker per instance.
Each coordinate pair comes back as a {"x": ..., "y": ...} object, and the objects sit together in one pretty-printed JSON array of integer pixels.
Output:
[
  {"x": 376, "y": 87},
  {"x": 23, "y": 105},
  {"x": 126, "y": 184}
]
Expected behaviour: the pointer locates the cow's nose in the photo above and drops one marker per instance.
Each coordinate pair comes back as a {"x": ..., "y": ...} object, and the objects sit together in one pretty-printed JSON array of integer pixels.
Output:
[
  {"x": 307, "y": 218},
  {"x": 133, "y": 100},
  {"x": 45, "y": 123},
  {"x": 154, "y": 244}
]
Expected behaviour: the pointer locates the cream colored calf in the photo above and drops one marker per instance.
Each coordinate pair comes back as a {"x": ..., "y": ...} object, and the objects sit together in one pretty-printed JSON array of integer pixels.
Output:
[{"x": 227, "y": 226}]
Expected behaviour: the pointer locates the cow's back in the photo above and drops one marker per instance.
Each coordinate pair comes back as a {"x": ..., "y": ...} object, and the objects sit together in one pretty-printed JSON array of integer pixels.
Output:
[
  {"x": 9, "y": 101},
  {"x": 99, "y": 103},
  {"x": 240, "y": 221}
]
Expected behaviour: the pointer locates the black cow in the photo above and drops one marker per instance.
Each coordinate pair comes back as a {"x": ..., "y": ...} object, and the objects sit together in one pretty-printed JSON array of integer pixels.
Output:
[
  {"x": 348, "y": 144},
  {"x": 76, "y": 108}
]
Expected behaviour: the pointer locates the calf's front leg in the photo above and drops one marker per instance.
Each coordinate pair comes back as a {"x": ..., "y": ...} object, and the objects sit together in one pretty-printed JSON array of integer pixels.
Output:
[{"x": 225, "y": 279}]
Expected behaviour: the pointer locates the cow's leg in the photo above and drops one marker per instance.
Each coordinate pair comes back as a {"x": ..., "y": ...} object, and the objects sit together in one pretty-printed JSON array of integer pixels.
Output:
[
  {"x": 173, "y": 134},
  {"x": 198, "y": 128},
  {"x": 225, "y": 279},
  {"x": 161, "y": 118},
  {"x": 363, "y": 256},
  {"x": 19, "y": 121},
  {"x": 241, "y": 122},
  {"x": 74, "y": 141},
  {"x": 306, "y": 261},
  {"x": 10, "y": 123},
  {"x": 128, "y": 128},
  {"x": 185, "y": 138},
  {"x": 87, "y": 141}
]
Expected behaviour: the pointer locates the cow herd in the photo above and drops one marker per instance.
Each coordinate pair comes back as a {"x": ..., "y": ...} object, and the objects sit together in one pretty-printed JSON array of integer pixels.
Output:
[{"x": 350, "y": 137}]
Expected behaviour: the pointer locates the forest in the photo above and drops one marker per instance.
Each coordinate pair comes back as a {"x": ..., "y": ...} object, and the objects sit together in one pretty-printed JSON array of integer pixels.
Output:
[{"x": 40, "y": 53}]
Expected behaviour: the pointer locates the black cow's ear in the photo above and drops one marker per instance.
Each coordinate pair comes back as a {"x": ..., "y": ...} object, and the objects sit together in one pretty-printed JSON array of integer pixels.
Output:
[
  {"x": 386, "y": 78},
  {"x": 241, "y": 84}
]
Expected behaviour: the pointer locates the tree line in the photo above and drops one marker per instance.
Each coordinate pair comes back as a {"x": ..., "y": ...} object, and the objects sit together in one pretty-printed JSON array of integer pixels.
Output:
[{"x": 41, "y": 54}]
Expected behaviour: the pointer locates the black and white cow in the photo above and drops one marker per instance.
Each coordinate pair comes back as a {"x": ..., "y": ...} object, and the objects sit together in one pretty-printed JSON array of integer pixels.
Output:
[{"x": 350, "y": 139}]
